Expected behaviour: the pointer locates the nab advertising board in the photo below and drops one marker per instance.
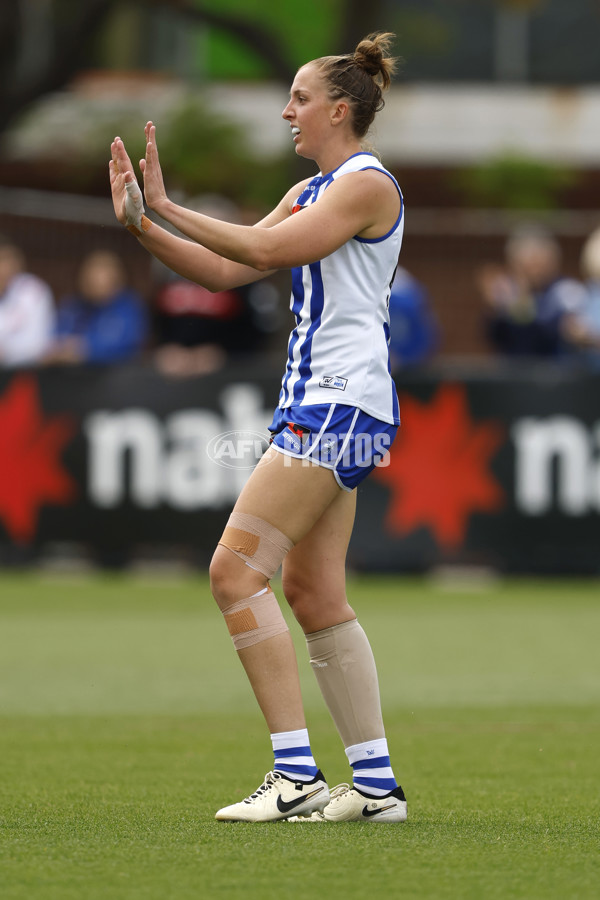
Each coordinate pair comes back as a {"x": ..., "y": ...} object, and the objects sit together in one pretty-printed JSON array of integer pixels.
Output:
[{"x": 498, "y": 469}]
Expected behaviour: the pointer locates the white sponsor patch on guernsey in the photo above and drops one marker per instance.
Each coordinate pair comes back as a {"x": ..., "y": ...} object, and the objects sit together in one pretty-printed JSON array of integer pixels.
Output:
[{"x": 333, "y": 381}]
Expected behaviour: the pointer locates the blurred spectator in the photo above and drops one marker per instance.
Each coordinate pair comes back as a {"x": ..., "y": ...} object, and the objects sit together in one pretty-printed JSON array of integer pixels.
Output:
[
  {"x": 198, "y": 331},
  {"x": 413, "y": 326},
  {"x": 582, "y": 329},
  {"x": 104, "y": 321},
  {"x": 26, "y": 310},
  {"x": 527, "y": 299}
]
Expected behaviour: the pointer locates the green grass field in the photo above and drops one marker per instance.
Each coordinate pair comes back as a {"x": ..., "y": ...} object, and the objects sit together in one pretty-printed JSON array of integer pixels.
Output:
[{"x": 126, "y": 721}]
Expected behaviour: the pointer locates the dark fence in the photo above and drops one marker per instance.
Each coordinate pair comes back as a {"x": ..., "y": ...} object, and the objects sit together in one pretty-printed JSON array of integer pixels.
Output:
[{"x": 497, "y": 467}]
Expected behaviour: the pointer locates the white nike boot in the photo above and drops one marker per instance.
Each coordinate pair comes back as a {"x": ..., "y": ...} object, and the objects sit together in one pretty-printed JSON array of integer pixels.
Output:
[
  {"x": 351, "y": 805},
  {"x": 278, "y": 798}
]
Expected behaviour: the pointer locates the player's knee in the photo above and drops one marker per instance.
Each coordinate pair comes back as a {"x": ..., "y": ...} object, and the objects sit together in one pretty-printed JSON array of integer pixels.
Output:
[
  {"x": 230, "y": 579},
  {"x": 219, "y": 577},
  {"x": 315, "y": 602}
]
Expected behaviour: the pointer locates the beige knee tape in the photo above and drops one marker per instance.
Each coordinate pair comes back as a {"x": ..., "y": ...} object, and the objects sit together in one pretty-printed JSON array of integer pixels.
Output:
[
  {"x": 258, "y": 543},
  {"x": 255, "y": 619}
]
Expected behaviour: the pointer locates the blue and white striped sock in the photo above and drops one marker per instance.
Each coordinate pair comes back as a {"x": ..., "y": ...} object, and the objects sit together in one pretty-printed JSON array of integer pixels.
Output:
[
  {"x": 293, "y": 756},
  {"x": 370, "y": 763}
]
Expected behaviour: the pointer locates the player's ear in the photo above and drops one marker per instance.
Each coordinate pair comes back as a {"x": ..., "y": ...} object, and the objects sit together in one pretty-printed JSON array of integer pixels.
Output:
[{"x": 340, "y": 112}]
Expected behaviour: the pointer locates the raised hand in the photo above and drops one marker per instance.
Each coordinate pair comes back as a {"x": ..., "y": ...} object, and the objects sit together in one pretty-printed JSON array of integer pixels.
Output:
[
  {"x": 126, "y": 193},
  {"x": 154, "y": 187}
]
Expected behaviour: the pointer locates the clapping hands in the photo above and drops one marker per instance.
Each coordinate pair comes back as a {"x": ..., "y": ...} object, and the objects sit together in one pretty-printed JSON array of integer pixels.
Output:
[{"x": 126, "y": 194}]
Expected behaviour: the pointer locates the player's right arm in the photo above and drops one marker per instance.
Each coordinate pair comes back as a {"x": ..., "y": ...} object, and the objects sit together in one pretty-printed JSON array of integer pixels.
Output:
[
  {"x": 197, "y": 263},
  {"x": 186, "y": 257}
]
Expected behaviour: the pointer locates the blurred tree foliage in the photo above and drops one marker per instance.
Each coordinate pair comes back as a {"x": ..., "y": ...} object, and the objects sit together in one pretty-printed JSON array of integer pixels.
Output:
[
  {"x": 201, "y": 152},
  {"x": 205, "y": 153},
  {"x": 515, "y": 181},
  {"x": 45, "y": 43}
]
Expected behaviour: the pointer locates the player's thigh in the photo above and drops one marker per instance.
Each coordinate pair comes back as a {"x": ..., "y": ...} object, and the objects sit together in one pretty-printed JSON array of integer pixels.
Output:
[{"x": 289, "y": 493}]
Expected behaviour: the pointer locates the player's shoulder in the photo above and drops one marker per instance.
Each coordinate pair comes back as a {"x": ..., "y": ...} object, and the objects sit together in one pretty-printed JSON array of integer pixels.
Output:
[
  {"x": 366, "y": 166},
  {"x": 364, "y": 178},
  {"x": 364, "y": 185}
]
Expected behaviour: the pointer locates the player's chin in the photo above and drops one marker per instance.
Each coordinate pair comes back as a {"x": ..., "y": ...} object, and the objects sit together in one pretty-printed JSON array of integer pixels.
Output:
[{"x": 300, "y": 151}]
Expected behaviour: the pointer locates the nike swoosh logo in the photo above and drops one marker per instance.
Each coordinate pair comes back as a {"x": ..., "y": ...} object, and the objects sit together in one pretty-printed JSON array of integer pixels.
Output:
[
  {"x": 375, "y": 812},
  {"x": 285, "y": 807}
]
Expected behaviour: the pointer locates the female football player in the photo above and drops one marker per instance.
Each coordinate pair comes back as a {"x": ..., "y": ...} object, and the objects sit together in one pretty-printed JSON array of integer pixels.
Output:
[{"x": 340, "y": 234}]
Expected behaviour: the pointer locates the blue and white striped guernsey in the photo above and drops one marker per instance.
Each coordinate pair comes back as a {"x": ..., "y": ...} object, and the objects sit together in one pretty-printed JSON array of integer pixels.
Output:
[{"x": 338, "y": 350}]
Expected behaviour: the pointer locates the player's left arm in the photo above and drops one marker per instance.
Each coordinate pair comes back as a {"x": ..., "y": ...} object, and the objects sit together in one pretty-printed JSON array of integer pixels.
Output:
[{"x": 365, "y": 203}]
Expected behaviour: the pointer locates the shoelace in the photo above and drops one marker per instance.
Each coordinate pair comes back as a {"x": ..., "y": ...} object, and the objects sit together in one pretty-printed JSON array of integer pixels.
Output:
[
  {"x": 338, "y": 791},
  {"x": 267, "y": 784}
]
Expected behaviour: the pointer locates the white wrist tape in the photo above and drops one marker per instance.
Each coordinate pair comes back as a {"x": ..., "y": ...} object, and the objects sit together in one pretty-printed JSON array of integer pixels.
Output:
[{"x": 134, "y": 205}]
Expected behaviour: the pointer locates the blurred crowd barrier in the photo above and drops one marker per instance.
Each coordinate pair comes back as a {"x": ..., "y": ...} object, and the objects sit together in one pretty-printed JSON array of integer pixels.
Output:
[{"x": 495, "y": 467}]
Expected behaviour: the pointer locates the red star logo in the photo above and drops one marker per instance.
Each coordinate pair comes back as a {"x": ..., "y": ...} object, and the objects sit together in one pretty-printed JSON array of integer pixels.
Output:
[
  {"x": 30, "y": 470},
  {"x": 439, "y": 467}
]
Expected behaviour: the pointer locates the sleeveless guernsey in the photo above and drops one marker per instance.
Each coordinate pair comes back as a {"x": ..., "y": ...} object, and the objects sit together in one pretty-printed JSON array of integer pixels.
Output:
[{"x": 338, "y": 351}]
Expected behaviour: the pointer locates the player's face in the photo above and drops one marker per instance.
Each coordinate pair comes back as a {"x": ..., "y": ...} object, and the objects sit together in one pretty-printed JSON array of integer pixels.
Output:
[{"x": 309, "y": 112}]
